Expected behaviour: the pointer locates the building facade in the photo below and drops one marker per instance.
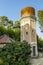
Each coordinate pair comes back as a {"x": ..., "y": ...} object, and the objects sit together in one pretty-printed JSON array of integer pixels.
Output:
[
  {"x": 28, "y": 28},
  {"x": 5, "y": 39}
]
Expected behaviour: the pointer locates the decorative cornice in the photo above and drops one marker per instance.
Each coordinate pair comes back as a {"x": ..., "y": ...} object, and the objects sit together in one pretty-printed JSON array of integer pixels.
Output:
[{"x": 30, "y": 16}]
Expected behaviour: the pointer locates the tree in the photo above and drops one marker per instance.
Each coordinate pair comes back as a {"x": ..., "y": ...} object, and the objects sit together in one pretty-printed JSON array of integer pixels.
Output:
[
  {"x": 10, "y": 33},
  {"x": 17, "y": 23},
  {"x": 40, "y": 44},
  {"x": 10, "y": 23},
  {"x": 2, "y": 30},
  {"x": 15, "y": 54},
  {"x": 4, "y": 20},
  {"x": 6, "y": 27},
  {"x": 40, "y": 18},
  {"x": 17, "y": 34},
  {"x": 16, "y": 29}
]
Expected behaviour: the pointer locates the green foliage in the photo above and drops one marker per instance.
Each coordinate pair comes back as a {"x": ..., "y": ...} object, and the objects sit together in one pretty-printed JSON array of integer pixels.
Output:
[
  {"x": 15, "y": 54},
  {"x": 10, "y": 32},
  {"x": 17, "y": 34},
  {"x": 10, "y": 23},
  {"x": 40, "y": 44},
  {"x": 17, "y": 30},
  {"x": 17, "y": 23},
  {"x": 1, "y": 60},
  {"x": 4, "y": 20},
  {"x": 2, "y": 30},
  {"x": 40, "y": 17}
]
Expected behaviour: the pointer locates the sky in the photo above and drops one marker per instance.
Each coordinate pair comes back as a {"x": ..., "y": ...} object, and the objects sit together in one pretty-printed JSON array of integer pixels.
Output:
[{"x": 12, "y": 9}]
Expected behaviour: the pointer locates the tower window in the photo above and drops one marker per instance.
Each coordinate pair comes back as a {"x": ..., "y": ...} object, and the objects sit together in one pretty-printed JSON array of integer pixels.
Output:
[
  {"x": 34, "y": 51},
  {"x": 33, "y": 31},
  {"x": 26, "y": 33}
]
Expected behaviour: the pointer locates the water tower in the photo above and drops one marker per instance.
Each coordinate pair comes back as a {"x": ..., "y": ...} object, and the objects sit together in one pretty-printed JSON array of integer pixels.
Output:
[{"x": 28, "y": 28}]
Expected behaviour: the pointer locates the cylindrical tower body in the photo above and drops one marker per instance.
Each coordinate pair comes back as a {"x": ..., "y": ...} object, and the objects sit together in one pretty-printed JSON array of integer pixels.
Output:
[{"x": 28, "y": 28}]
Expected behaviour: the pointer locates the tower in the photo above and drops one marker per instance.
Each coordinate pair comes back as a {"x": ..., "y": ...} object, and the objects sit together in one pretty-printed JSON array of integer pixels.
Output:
[{"x": 28, "y": 28}]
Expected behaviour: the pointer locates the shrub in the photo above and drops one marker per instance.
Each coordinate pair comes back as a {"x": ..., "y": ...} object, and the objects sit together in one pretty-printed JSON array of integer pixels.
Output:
[{"x": 17, "y": 53}]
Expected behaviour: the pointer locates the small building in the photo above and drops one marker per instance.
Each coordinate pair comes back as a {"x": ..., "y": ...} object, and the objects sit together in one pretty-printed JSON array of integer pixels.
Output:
[{"x": 4, "y": 39}]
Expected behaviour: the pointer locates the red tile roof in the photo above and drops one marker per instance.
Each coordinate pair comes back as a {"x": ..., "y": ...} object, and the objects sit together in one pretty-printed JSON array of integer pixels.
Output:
[{"x": 5, "y": 39}]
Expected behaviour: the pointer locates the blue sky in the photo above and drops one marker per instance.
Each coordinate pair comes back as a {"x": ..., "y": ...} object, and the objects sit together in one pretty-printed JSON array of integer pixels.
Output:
[{"x": 12, "y": 8}]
